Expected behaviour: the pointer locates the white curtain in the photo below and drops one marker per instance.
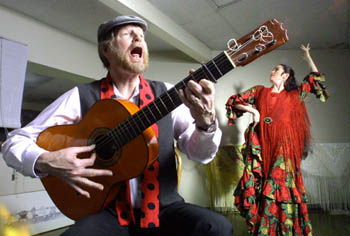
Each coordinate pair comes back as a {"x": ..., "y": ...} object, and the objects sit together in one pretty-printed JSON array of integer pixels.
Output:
[{"x": 326, "y": 176}]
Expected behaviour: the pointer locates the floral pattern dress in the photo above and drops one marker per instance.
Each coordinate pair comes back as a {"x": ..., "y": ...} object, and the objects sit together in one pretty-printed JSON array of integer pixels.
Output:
[{"x": 273, "y": 203}]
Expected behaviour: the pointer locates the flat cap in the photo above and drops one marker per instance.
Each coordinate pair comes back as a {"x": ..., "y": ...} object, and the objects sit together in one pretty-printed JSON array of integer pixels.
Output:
[{"x": 107, "y": 26}]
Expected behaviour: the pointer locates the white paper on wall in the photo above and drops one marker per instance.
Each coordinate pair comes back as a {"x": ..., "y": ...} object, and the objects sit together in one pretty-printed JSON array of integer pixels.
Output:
[
  {"x": 36, "y": 210},
  {"x": 13, "y": 64}
]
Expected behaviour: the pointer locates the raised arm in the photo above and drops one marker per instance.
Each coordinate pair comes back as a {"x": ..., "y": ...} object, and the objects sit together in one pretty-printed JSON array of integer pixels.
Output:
[{"x": 308, "y": 58}]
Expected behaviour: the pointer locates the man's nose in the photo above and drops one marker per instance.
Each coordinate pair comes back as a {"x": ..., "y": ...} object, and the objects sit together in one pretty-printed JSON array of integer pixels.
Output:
[{"x": 137, "y": 37}]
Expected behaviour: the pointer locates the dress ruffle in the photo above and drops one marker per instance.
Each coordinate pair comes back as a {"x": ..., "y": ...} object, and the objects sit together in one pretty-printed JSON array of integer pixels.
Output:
[
  {"x": 314, "y": 83},
  {"x": 245, "y": 98},
  {"x": 272, "y": 206}
]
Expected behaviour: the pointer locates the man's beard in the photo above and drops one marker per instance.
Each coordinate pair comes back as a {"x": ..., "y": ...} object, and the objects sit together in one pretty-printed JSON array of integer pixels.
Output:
[{"x": 124, "y": 61}]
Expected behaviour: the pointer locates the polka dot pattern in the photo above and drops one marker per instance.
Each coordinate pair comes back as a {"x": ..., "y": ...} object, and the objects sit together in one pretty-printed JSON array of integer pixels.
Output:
[
  {"x": 125, "y": 215},
  {"x": 107, "y": 90},
  {"x": 150, "y": 186},
  {"x": 151, "y": 168},
  {"x": 150, "y": 191},
  {"x": 150, "y": 183},
  {"x": 149, "y": 178},
  {"x": 151, "y": 206},
  {"x": 148, "y": 96}
]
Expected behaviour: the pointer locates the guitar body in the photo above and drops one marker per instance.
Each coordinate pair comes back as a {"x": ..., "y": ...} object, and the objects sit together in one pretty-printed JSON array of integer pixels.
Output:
[{"x": 125, "y": 163}]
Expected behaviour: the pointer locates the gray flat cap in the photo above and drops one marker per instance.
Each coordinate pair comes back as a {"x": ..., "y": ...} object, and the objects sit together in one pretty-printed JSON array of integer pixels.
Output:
[{"x": 107, "y": 26}]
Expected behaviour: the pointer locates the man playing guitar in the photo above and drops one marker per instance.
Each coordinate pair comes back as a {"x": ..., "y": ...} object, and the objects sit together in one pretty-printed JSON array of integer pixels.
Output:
[{"x": 149, "y": 202}]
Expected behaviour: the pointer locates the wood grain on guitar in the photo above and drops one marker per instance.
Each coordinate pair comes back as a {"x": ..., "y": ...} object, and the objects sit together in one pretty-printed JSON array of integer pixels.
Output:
[{"x": 125, "y": 141}]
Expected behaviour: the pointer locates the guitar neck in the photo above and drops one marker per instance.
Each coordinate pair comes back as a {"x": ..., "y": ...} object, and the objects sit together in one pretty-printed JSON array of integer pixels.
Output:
[{"x": 168, "y": 101}]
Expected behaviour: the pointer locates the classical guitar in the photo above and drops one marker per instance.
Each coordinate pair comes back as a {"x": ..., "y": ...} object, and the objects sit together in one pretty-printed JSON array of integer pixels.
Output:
[{"x": 125, "y": 142}]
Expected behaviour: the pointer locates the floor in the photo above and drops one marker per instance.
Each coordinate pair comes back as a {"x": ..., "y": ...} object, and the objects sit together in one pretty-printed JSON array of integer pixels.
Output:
[{"x": 323, "y": 225}]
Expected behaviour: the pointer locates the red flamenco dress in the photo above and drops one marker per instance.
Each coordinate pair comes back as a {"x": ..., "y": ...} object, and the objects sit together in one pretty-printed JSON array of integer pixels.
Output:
[{"x": 271, "y": 194}]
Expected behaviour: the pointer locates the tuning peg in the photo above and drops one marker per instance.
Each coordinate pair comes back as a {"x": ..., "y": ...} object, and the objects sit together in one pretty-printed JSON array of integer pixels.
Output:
[{"x": 271, "y": 43}]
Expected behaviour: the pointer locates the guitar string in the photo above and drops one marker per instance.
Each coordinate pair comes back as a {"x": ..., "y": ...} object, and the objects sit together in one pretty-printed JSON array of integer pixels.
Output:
[
  {"x": 200, "y": 71},
  {"x": 221, "y": 58},
  {"x": 165, "y": 98},
  {"x": 221, "y": 61},
  {"x": 209, "y": 64}
]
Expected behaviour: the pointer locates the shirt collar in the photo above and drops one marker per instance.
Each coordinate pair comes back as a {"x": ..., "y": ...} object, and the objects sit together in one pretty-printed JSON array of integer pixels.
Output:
[{"x": 134, "y": 95}]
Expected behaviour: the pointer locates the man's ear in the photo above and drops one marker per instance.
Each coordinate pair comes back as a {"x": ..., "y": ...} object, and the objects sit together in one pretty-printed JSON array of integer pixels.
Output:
[{"x": 105, "y": 49}]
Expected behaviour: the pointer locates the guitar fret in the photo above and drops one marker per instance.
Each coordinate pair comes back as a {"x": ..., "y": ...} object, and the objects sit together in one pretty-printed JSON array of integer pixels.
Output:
[
  {"x": 152, "y": 112},
  {"x": 161, "y": 100},
  {"x": 140, "y": 120},
  {"x": 137, "y": 132},
  {"x": 115, "y": 136},
  {"x": 129, "y": 128},
  {"x": 171, "y": 98},
  {"x": 184, "y": 84},
  {"x": 144, "y": 114},
  {"x": 213, "y": 79},
  {"x": 161, "y": 106},
  {"x": 126, "y": 131},
  {"x": 159, "y": 112},
  {"x": 192, "y": 75},
  {"x": 217, "y": 68},
  {"x": 118, "y": 131}
]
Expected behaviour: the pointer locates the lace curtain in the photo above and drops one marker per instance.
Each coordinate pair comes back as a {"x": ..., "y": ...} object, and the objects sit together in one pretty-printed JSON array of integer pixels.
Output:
[
  {"x": 223, "y": 174},
  {"x": 325, "y": 174}
]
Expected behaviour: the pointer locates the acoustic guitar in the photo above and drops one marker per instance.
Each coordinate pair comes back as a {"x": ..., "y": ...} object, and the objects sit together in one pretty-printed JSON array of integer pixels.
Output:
[{"x": 125, "y": 141}]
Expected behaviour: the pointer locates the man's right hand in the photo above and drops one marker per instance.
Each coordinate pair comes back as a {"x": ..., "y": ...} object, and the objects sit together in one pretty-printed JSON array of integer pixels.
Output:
[{"x": 66, "y": 165}]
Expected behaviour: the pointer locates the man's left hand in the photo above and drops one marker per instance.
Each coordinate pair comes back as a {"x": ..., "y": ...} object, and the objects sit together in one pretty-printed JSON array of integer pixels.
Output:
[{"x": 199, "y": 98}]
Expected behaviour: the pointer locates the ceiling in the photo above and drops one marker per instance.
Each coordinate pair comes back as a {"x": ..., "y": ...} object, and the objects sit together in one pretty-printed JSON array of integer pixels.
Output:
[
  {"x": 323, "y": 23},
  {"x": 199, "y": 27}
]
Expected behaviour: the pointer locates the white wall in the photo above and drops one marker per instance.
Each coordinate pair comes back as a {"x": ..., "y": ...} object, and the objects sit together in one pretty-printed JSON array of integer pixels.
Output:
[{"x": 49, "y": 46}]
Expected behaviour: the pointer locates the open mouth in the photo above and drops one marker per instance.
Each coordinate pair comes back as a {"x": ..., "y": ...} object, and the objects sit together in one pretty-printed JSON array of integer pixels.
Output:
[{"x": 136, "y": 52}]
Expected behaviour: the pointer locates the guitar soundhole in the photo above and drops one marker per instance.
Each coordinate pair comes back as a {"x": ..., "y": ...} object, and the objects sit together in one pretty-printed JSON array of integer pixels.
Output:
[{"x": 107, "y": 151}]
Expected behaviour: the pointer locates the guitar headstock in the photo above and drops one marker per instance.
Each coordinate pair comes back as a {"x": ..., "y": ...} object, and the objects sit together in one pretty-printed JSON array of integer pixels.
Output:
[{"x": 258, "y": 42}]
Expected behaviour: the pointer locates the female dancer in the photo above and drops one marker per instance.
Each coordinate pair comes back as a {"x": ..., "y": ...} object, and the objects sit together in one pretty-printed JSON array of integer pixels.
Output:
[{"x": 271, "y": 194}]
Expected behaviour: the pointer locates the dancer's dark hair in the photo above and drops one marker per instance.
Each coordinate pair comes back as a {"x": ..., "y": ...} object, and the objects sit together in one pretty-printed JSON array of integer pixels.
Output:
[{"x": 291, "y": 82}]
